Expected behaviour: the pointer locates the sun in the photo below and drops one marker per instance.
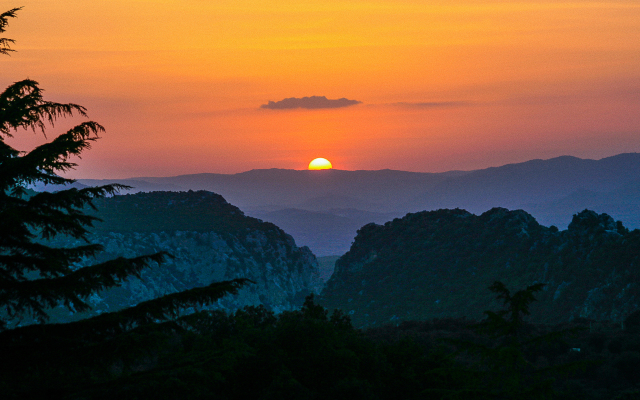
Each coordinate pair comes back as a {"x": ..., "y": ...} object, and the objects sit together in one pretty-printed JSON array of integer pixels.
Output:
[{"x": 320, "y": 163}]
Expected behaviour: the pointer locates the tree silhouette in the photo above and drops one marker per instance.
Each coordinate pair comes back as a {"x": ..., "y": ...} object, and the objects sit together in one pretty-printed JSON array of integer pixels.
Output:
[
  {"x": 509, "y": 322},
  {"x": 33, "y": 275},
  {"x": 501, "y": 364},
  {"x": 5, "y": 44}
]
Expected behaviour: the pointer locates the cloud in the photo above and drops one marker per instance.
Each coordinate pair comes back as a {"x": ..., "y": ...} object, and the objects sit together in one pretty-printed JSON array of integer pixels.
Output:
[{"x": 309, "y": 103}]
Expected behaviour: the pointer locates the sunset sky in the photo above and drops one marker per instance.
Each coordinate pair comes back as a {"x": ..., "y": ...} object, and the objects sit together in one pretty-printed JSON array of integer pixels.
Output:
[{"x": 443, "y": 85}]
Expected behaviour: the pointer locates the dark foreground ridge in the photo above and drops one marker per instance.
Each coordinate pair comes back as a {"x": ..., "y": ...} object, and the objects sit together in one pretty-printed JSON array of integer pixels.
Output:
[
  {"x": 313, "y": 354},
  {"x": 436, "y": 264}
]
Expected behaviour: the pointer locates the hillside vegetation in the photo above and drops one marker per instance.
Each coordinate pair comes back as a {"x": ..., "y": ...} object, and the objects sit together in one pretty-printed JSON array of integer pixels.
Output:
[
  {"x": 437, "y": 264},
  {"x": 210, "y": 240}
]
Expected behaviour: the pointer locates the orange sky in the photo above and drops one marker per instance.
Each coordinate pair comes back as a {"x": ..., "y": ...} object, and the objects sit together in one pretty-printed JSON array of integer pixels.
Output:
[{"x": 443, "y": 84}]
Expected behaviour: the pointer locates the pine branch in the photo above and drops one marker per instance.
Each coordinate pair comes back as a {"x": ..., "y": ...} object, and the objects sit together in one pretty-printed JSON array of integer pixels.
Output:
[
  {"x": 48, "y": 214},
  {"x": 53, "y": 156},
  {"x": 114, "y": 323},
  {"x": 167, "y": 307},
  {"x": 5, "y": 44},
  {"x": 22, "y": 106},
  {"x": 60, "y": 212},
  {"x": 4, "y": 17},
  {"x": 35, "y": 296},
  {"x": 42, "y": 163},
  {"x": 48, "y": 262},
  {"x": 7, "y": 152}
]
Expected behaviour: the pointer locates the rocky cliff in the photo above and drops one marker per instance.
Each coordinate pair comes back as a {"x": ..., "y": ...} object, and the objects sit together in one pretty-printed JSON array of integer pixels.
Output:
[
  {"x": 210, "y": 239},
  {"x": 440, "y": 263}
]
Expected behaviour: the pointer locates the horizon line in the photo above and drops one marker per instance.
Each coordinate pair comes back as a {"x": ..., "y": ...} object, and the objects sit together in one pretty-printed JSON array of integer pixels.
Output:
[{"x": 357, "y": 170}]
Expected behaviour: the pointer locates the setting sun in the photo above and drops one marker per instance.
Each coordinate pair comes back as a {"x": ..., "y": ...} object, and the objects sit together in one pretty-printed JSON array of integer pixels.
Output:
[{"x": 320, "y": 163}]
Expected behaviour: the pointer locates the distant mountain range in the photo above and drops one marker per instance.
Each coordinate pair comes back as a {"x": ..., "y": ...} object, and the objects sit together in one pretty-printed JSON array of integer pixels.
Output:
[{"x": 324, "y": 209}]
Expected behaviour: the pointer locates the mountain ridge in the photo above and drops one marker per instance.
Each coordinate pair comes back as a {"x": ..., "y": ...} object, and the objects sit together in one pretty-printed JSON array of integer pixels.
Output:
[
  {"x": 537, "y": 186},
  {"x": 210, "y": 241},
  {"x": 436, "y": 264}
]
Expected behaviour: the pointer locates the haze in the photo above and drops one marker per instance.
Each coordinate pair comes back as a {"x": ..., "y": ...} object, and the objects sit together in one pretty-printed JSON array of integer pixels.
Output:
[{"x": 448, "y": 85}]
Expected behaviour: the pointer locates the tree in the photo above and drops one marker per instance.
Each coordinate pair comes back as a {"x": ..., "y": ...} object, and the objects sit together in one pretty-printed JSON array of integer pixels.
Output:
[
  {"x": 503, "y": 361},
  {"x": 5, "y": 44},
  {"x": 33, "y": 275},
  {"x": 509, "y": 322}
]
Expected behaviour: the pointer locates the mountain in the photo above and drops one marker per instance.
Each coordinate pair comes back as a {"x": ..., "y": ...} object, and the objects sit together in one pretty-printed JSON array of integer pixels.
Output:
[
  {"x": 551, "y": 190},
  {"x": 622, "y": 202},
  {"x": 328, "y": 232},
  {"x": 211, "y": 240},
  {"x": 438, "y": 264},
  {"x": 375, "y": 191},
  {"x": 535, "y": 182}
]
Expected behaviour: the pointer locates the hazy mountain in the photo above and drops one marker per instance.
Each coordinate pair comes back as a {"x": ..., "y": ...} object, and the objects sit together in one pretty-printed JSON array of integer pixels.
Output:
[
  {"x": 328, "y": 233},
  {"x": 326, "y": 266},
  {"x": 137, "y": 185},
  {"x": 319, "y": 190},
  {"x": 438, "y": 264},
  {"x": 551, "y": 190},
  {"x": 41, "y": 187},
  {"x": 532, "y": 182},
  {"x": 623, "y": 203}
]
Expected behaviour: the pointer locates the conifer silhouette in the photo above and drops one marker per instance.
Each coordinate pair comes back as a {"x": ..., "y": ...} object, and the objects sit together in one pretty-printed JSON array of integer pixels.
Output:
[{"x": 33, "y": 275}]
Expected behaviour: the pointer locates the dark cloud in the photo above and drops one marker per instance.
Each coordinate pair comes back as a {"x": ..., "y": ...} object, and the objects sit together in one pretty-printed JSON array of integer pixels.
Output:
[{"x": 309, "y": 103}]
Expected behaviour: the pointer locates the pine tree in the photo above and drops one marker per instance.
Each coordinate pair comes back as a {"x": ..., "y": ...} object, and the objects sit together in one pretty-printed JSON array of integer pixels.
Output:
[
  {"x": 5, "y": 44},
  {"x": 33, "y": 275}
]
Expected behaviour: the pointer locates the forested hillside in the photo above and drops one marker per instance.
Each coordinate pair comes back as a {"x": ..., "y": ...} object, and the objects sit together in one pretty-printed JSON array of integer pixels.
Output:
[
  {"x": 210, "y": 239},
  {"x": 437, "y": 264}
]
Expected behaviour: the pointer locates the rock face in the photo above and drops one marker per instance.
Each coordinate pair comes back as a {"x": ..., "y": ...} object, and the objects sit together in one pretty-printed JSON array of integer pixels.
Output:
[
  {"x": 210, "y": 239},
  {"x": 440, "y": 264}
]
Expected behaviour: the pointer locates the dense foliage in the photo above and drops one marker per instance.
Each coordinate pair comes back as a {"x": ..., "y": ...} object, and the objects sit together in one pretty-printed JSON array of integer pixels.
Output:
[
  {"x": 435, "y": 264},
  {"x": 313, "y": 354}
]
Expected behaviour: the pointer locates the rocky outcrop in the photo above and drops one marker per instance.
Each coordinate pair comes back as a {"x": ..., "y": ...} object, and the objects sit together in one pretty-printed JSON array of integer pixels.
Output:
[
  {"x": 440, "y": 264},
  {"x": 210, "y": 240}
]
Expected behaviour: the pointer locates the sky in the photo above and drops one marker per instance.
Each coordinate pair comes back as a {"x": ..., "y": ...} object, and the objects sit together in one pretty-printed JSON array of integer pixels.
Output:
[{"x": 184, "y": 86}]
